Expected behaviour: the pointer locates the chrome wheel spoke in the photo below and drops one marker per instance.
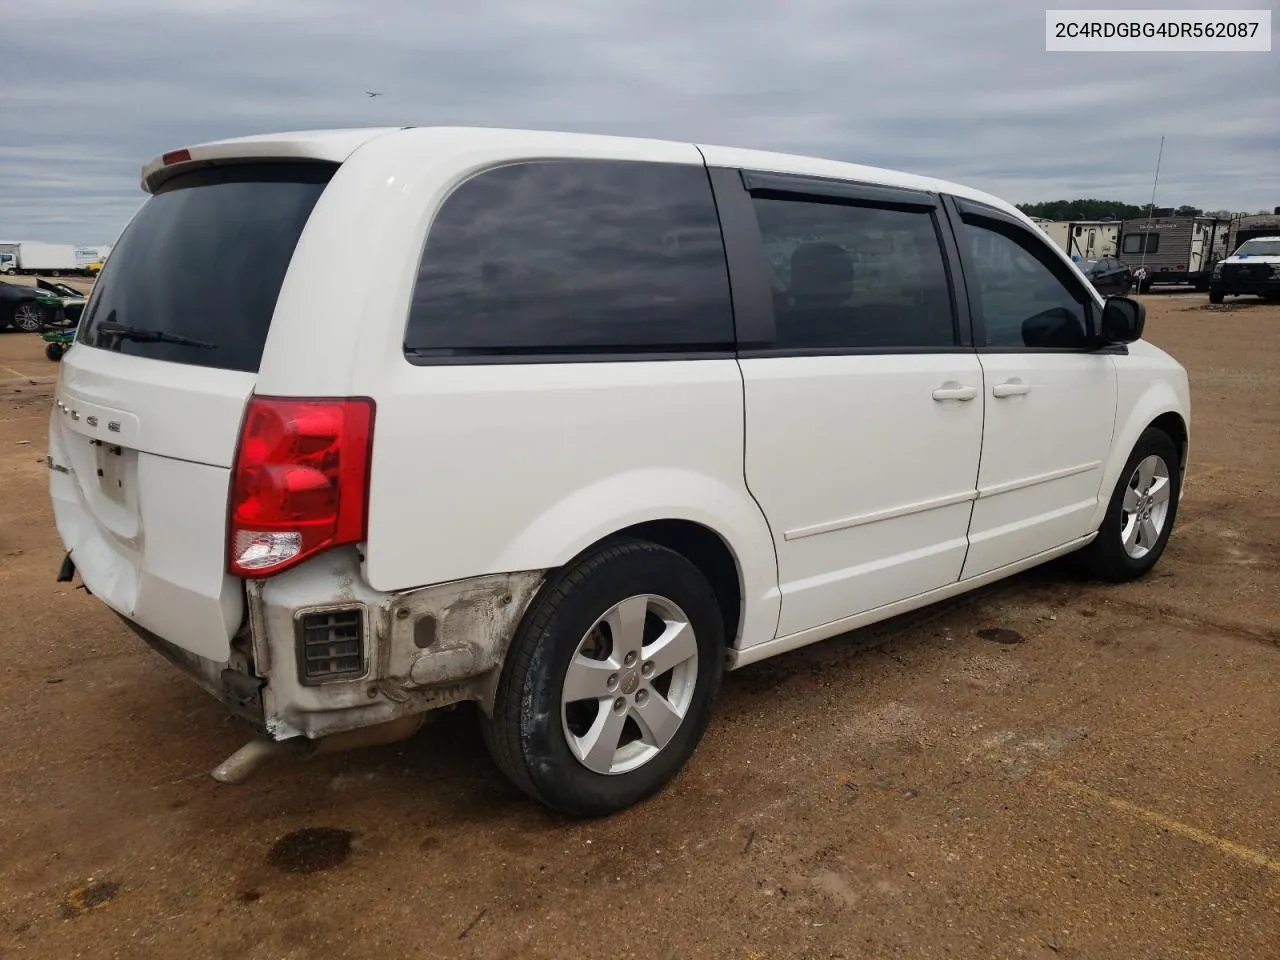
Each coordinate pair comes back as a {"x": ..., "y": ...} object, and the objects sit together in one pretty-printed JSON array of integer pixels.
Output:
[
  {"x": 1130, "y": 503},
  {"x": 626, "y": 625},
  {"x": 1146, "y": 473},
  {"x": 599, "y": 745},
  {"x": 674, "y": 647},
  {"x": 1131, "y": 534},
  {"x": 1150, "y": 533},
  {"x": 657, "y": 718},
  {"x": 1160, "y": 490},
  {"x": 588, "y": 679}
]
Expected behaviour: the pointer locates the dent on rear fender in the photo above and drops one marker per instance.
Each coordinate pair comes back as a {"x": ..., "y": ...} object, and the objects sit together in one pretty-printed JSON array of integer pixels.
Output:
[
  {"x": 455, "y": 631},
  {"x": 425, "y": 648}
]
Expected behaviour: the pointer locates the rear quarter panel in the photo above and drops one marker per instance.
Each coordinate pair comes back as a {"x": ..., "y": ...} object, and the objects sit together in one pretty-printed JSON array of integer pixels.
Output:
[{"x": 496, "y": 468}]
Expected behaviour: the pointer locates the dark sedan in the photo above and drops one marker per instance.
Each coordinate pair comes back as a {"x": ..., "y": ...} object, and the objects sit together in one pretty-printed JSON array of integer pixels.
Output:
[
  {"x": 26, "y": 308},
  {"x": 1109, "y": 276}
]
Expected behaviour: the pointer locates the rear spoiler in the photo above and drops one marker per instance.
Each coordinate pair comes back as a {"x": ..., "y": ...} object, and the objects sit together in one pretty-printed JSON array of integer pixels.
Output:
[{"x": 334, "y": 146}]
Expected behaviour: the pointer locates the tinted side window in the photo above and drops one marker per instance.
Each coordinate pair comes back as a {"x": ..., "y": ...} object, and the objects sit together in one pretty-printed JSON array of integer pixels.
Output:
[
  {"x": 573, "y": 257},
  {"x": 1022, "y": 296},
  {"x": 847, "y": 276}
]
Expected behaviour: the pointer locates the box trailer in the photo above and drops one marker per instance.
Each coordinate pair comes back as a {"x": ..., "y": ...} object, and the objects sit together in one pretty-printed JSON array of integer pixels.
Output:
[
  {"x": 30, "y": 256},
  {"x": 90, "y": 255},
  {"x": 1247, "y": 228},
  {"x": 1093, "y": 239},
  {"x": 1174, "y": 250},
  {"x": 1086, "y": 239},
  {"x": 1058, "y": 231}
]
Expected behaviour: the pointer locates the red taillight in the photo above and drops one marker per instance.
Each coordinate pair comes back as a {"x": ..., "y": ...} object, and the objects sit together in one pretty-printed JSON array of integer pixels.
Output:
[
  {"x": 176, "y": 156},
  {"x": 300, "y": 483}
]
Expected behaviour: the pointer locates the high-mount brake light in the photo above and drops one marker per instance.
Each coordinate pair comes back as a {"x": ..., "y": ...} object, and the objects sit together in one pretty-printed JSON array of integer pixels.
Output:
[
  {"x": 176, "y": 156},
  {"x": 300, "y": 484}
]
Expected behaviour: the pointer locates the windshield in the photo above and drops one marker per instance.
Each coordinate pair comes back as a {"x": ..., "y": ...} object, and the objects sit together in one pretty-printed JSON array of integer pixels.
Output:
[
  {"x": 1259, "y": 248},
  {"x": 203, "y": 260}
]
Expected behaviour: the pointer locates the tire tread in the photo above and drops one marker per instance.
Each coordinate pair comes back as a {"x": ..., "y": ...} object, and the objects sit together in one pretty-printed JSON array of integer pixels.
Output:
[
  {"x": 502, "y": 731},
  {"x": 1103, "y": 558}
]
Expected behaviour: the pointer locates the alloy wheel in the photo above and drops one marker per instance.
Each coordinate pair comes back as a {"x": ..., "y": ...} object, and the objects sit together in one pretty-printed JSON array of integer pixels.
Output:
[
  {"x": 1145, "y": 508},
  {"x": 630, "y": 684}
]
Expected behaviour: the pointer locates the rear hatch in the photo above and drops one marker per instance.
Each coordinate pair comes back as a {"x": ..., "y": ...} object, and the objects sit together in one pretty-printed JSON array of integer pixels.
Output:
[{"x": 151, "y": 396}]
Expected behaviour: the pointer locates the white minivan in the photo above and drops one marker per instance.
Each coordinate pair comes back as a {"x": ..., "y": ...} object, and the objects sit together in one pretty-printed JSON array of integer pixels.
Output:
[{"x": 360, "y": 424}]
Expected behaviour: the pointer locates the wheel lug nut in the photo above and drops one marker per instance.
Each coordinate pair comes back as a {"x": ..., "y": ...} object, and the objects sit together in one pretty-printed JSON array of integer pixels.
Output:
[
  {"x": 619, "y": 704},
  {"x": 612, "y": 682},
  {"x": 647, "y": 669},
  {"x": 629, "y": 659},
  {"x": 642, "y": 696}
]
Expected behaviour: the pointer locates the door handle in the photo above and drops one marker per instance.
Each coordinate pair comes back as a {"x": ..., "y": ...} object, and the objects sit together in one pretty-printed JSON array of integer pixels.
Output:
[
  {"x": 954, "y": 391},
  {"x": 1011, "y": 388}
]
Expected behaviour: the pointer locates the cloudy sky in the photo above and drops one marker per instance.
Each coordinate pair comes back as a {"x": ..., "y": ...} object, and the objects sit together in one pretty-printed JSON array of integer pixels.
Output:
[{"x": 90, "y": 89}]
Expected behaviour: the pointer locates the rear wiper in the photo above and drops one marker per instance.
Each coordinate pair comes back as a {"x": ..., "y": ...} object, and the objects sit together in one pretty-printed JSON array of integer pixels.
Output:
[{"x": 143, "y": 335}]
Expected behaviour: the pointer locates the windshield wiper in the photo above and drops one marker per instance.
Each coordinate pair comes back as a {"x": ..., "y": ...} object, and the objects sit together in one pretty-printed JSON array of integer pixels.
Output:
[{"x": 144, "y": 335}]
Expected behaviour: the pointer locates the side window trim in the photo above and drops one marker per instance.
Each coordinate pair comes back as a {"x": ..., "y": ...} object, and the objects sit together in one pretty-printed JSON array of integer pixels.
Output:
[
  {"x": 789, "y": 185},
  {"x": 753, "y": 318},
  {"x": 514, "y": 355},
  {"x": 958, "y": 209},
  {"x": 753, "y": 310}
]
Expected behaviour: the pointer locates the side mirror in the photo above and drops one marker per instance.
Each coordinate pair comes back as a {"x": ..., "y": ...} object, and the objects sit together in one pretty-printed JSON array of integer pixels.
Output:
[{"x": 1123, "y": 320}]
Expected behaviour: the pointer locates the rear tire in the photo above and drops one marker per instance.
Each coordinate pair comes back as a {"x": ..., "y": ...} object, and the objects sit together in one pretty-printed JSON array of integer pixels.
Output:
[
  {"x": 54, "y": 351},
  {"x": 1141, "y": 513},
  {"x": 646, "y": 692}
]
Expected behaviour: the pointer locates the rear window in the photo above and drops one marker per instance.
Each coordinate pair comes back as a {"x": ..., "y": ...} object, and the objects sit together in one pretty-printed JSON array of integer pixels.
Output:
[
  {"x": 202, "y": 262},
  {"x": 573, "y": 258}
]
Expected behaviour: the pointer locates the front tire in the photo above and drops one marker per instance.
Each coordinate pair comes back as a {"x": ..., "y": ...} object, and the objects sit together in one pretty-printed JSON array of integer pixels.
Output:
[
  {"x": 1215, "y": 295},
  {"x": 610, "y": 681},
  {"x": 54, "y": 351},
  {"x": 1141, "y": 513}
]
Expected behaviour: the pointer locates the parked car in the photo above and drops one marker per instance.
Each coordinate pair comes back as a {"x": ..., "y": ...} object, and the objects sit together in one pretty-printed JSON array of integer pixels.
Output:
[
  {"x": 1254, "y": 269},
  {"x": 572, "y": 444},
  {"x": 25, "y": 308},
  {"x": 1109, "y": 276}
]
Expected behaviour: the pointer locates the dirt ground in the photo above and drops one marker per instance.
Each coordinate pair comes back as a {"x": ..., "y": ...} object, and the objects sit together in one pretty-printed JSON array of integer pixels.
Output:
[{"x": 1109, "y": 787}]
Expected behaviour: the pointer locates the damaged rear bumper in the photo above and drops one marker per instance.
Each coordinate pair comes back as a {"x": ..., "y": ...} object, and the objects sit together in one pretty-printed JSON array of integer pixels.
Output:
[{"x": 321, "y": 653}]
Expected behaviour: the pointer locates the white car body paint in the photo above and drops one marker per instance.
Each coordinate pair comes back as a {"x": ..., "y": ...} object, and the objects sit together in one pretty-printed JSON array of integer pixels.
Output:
[{"x": 844, "y": 489}]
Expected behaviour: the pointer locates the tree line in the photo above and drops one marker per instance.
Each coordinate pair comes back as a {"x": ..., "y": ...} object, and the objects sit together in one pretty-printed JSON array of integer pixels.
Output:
[{"x": 1115, "y": 210}]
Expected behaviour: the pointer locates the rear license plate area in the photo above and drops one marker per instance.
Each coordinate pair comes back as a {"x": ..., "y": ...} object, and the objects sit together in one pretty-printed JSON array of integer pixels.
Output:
[{"x": 112, "y": 471}]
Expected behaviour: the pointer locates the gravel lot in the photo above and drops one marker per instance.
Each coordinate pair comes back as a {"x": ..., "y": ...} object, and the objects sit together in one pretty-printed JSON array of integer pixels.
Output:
[{"x": 1108, "y": 787}]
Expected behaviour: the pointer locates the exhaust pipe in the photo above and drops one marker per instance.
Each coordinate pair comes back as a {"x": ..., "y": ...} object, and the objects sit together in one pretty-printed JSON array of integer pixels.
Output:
[
  {"x": 250, "y": 758},
  {"x": 256, "y": 754}
]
